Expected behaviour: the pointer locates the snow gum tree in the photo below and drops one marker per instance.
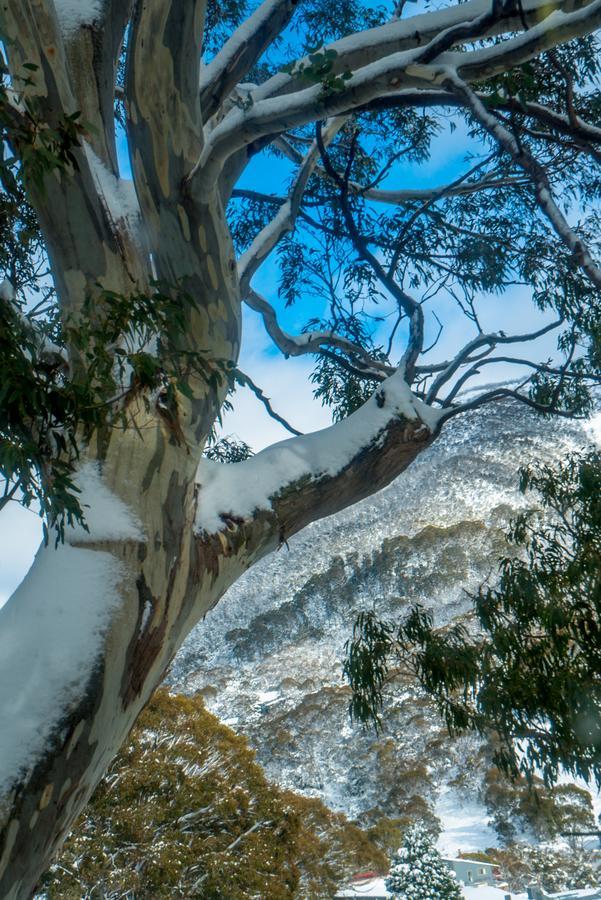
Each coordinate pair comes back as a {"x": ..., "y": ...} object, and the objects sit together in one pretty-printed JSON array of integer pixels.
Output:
[{"x": 114, "y": 374}]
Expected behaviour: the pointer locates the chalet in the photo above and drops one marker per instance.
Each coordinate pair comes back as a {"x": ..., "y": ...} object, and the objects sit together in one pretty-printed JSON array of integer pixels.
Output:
[{"x": 472, "y": 872}]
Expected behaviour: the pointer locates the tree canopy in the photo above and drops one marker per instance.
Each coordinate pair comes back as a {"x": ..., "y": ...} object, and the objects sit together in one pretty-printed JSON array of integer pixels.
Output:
[{"x": 256, "y": 133}]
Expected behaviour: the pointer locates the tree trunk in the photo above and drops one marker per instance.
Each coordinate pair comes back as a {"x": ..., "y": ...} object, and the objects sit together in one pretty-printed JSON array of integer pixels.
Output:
[
  {"x": 88, "y": 635},
  {"x": 158, "y": 578}
]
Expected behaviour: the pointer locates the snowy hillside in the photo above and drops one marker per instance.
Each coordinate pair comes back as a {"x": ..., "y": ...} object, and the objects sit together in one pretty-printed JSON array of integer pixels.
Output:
[{"x": 267, "y": 659}]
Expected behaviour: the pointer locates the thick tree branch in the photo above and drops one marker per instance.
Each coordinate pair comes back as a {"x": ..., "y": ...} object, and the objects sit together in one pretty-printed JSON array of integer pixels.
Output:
[
  {"x": 314, "y": 341},
  {"x": 275, "y": 115},
  {"x": 359, "y": 50},
  {"x": 295, "y": 482},
  {"x": 401, "y": 196},
  {"x": 241, "y": 51},
  {"x": 93, "y": 49},
  {"x": 190, "y": 243}
]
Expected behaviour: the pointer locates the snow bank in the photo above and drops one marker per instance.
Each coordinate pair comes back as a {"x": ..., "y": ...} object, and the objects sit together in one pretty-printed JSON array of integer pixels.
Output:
[
  {"x": 241, "y": 489},
  {"x": 51, "y": 632},
  {"x": 52, "y": 628},
  {"x": 465, "y": 824}
]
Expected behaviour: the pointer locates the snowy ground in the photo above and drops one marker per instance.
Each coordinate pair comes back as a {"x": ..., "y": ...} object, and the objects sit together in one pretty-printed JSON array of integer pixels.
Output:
[{"x": 465, "y": 824}]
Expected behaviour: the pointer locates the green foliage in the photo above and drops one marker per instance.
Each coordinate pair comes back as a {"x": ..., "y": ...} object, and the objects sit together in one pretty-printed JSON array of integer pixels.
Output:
[
  {"x": 451, "y": 249},
  {"x": 320, "y": 70},
  {"x": 336, "y": 386},
  {"x": 546, "y": 812},
  {"x": 554, "y": 868},
  {"x": 530, "y": 672},
  {"x": 185, "y": 811},
  {"x": 120, "y": 347},
  {"x": 228, "y": 450}
]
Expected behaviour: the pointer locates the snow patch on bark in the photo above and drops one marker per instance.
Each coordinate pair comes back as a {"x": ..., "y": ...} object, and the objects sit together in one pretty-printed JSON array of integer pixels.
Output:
[
  {"x": 73, "y": 14},
  {"x": 51, "y": 635},
  {"x": 119, "y": 194},
  {"x": 106, "y": 516},
  {"x": 239, "y": 490}
]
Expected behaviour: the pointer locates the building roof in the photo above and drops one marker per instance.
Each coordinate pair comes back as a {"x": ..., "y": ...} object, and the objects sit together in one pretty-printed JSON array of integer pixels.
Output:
[{"x": 461, "y": 859}]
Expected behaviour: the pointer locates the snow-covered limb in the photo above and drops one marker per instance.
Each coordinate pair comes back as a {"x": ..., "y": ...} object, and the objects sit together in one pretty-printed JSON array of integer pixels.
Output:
[
  {"x": 240, "y": 52},
  {"x": 314, "y": 341},
  {"x": 386, "y": 76},
  {"x": 308, "y": 477},
  {"x": 75, "y": 14},
  {"x": 360, "y": 49}
]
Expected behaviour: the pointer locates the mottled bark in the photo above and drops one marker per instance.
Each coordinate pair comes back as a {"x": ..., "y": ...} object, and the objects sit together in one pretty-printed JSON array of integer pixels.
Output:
[{"x": 184, "y": 171}]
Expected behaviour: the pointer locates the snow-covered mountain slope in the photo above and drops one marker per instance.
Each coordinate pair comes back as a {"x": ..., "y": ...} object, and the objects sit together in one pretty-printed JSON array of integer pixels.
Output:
[{"x": 268, "y": 658}]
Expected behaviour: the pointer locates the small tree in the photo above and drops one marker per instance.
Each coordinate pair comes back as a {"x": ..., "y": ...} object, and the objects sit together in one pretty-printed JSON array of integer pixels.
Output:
[{"x": 418, "y": 871}]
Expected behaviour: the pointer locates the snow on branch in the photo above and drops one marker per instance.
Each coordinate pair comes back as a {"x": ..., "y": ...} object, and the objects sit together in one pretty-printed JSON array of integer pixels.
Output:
[
  {"x": 238, "y": 55},
  {"x": 52, "y": 630},
  {"x": 364, "y": 47},
  {"x": 75, "y": 14},
  {"x": 387, "y": 76},
  {"x": 335, "y": 462}
]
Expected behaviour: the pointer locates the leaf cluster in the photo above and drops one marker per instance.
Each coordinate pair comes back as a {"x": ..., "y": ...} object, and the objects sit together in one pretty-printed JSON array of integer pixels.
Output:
[
  {"x": 320, "y": 70},
  {"x": 529, "y": 671}
]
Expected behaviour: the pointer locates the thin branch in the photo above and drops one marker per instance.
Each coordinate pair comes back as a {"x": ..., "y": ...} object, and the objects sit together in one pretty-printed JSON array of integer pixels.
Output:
[
  {"x": 505, "y": 393},
  {"x": 485, "y": 340},
  {"x": 313, "y": 342},
  {"x": 246, "y": 381},
  {"x": 197, "y": 884},
  {"x": 562, "y": 372},
  {"x": 406, "y": 303},
  {"x": 284, "y": 220},
  {"x": 524, "y": 159}
]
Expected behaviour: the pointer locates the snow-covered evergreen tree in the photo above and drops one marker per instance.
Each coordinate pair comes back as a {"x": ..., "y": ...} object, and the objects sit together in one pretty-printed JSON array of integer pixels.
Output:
[{"x": 418, "y": 872}]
